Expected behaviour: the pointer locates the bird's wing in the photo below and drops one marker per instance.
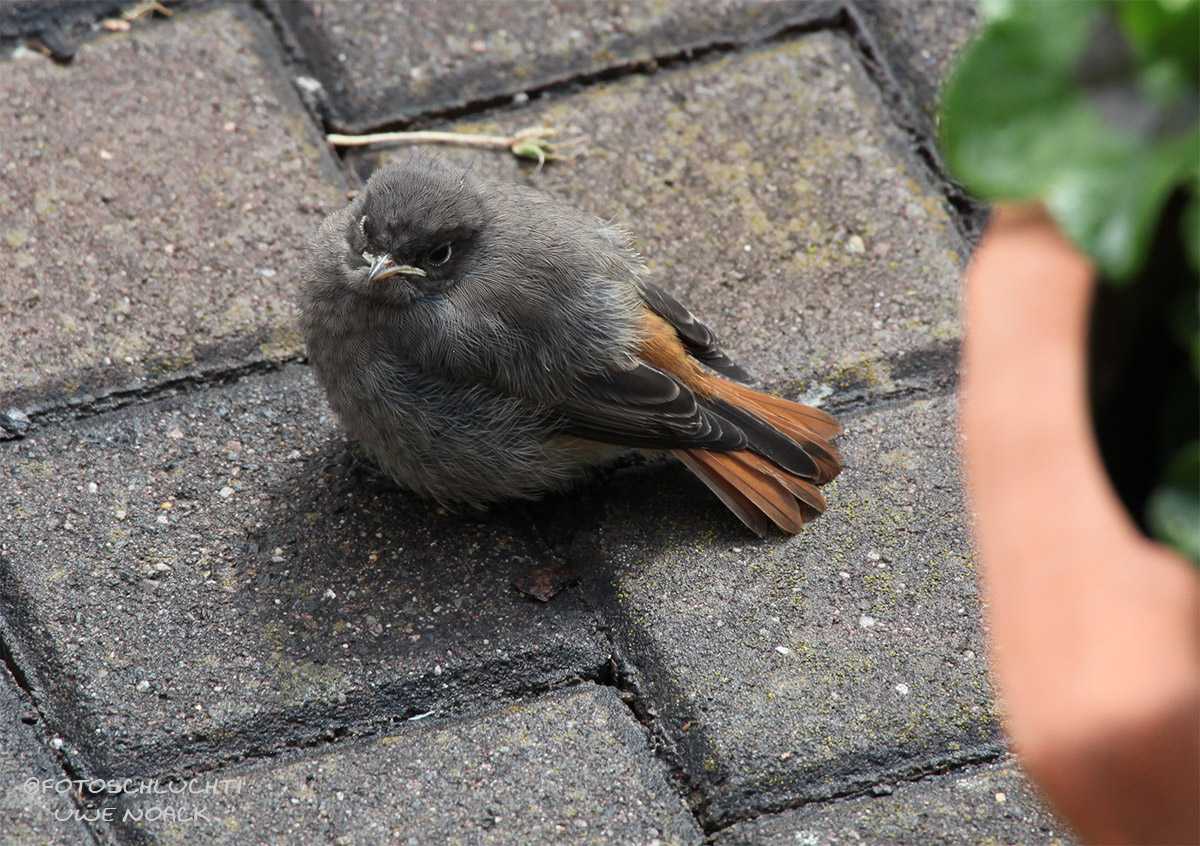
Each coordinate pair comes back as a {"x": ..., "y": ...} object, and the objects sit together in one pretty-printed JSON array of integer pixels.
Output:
[
  {"x": 697, "y": 337},
  {"x": 640, "y": 405},
  {"x": 760, "y": 473}
]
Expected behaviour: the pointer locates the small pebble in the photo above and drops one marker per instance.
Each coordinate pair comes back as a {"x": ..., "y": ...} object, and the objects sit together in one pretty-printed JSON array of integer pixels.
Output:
[
  {"x": 14, "y": 423},
  {"x": 308, "y": 84}
]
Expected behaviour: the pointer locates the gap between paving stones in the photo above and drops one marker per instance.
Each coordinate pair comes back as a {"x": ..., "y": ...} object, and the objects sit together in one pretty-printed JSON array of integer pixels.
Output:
[
  {"x": 44, "y": 414},
  {"x": 935, "y": 370},
  {"x": 10, "y": 663},
  {"x": 969, "y": 214},
  {"x": 696, "y": 794},
  {"x": 824, "y": 15},
  {"x": 80, "y": 803},
  {"x": 317, "y": 727},
  {"x": 89, "y": 800},
  {"x": 914, "y": 776}
]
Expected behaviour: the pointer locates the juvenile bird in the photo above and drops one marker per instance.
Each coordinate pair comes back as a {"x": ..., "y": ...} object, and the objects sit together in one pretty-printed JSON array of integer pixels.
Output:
[{"x": 485, "y": 341}]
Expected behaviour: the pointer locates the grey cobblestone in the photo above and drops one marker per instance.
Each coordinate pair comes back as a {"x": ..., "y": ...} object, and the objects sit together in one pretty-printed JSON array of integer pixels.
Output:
[
  {"x": 572, "y": 768},
  {"x": 212, "y": 576},
  {"x": 154, "y": 198},
  {"x": 991, "y": 803}
]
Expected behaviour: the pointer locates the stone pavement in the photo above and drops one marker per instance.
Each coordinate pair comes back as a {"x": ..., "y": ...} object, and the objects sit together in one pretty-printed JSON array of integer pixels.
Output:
[{"x": 218, "y": 625}]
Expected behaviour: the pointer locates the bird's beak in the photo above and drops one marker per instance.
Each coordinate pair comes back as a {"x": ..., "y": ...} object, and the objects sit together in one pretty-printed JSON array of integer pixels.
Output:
[{"x": 383, "y": 267}]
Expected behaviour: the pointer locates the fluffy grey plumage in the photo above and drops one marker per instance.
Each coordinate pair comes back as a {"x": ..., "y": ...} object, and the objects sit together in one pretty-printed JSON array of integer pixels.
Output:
[
  {"x": 446, "y": 379},
  {"x": 485, "y": 341}
]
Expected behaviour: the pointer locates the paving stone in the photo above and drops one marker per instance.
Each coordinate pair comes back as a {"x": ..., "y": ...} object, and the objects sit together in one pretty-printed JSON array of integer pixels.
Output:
[
  {"x": 766, "y": 191},
  {"x": 991, "y": 803},
  {"x": 918, "y": 41},
  {"x": 569, "y": 768},
  {"x": 380, "y": 63},
  {"x": 788, "y": 670},
  {"x": 154, "y": 199},
  {"x": 35, "y": 803},
  {"x": 209, "y": 576}
]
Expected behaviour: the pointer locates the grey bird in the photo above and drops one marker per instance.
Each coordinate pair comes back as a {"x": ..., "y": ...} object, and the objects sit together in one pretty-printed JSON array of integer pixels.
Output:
[{"x": 485, "y": 341}]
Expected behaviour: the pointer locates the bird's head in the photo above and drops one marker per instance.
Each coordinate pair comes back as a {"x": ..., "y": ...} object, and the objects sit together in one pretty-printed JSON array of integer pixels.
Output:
[{"x": 417, "y": 227}]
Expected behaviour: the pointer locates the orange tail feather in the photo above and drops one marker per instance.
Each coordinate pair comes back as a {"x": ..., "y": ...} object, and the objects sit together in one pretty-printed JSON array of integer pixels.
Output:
[
  {"x": 753, "y": 487},
  {"x": 755, "y": 490},
  {"x": 726, "y": 490},
  {"x": 810, "y": 427}
]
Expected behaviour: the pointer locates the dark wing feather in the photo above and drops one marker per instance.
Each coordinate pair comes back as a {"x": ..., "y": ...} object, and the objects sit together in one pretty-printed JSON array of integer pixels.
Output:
[
  {"x": 768, "y": 441},
  {"x": 642, "y": 406},
  {"x": 699, "y": 340}
]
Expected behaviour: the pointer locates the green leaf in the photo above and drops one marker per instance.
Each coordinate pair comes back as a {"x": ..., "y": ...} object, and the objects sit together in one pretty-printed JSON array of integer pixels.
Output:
[
  {"x": 1167, "y": 29},
  {"x": 1111, "y": 207},
  {"x": 1088, "y": 107},
  {"x": 1190, "y": 228},
  {"x": 1173, "y": 511}
]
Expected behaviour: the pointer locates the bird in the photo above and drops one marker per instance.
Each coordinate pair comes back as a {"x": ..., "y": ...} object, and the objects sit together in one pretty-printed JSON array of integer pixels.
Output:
[{"x": 485, "y": 341}]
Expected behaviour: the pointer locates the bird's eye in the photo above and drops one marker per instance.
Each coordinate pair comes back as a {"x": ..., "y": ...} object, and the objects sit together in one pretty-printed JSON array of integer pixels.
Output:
[{"x": 439, "y": 256}]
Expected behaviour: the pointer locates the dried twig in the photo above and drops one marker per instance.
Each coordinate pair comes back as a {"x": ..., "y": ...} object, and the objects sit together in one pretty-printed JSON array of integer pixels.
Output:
[
  {"x": 147, "y": 7},
  {"x": 532, "y": 143}
]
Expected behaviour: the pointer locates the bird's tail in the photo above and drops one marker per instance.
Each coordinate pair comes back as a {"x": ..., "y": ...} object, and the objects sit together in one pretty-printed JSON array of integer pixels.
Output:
[{"x": 770, "y": 482}]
